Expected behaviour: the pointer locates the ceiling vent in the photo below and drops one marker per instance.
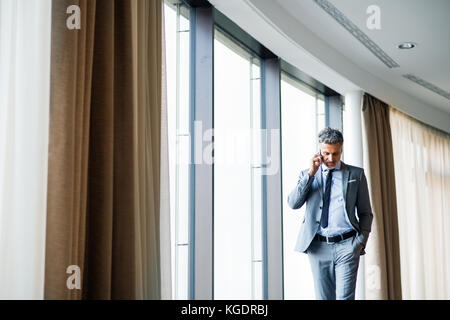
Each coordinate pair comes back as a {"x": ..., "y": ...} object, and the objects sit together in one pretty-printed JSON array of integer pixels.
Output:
[
  {"x": 427, "y": 85},
  {"x": 356, "y": 32}
]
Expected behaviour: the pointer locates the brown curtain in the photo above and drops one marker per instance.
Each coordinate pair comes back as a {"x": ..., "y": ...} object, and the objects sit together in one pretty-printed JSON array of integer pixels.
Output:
[
  {"x": 104, "y": 150},
  {"x": 382, "y": 262}
]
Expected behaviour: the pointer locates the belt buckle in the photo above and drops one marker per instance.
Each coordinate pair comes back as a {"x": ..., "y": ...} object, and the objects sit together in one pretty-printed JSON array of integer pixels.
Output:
[{"x": 329, "y": 242}]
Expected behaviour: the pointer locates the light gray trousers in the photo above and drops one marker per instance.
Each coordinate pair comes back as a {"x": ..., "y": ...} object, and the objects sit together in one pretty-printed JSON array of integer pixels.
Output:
[{"x": 335, "y": 267}]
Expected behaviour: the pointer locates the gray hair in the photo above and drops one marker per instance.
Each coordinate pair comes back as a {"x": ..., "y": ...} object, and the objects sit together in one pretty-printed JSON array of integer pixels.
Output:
[{"x": 330, "y": 136}]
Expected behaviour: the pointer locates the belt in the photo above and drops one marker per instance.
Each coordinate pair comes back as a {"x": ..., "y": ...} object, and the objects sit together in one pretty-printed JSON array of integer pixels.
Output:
[{"x": 335, "y": 239}]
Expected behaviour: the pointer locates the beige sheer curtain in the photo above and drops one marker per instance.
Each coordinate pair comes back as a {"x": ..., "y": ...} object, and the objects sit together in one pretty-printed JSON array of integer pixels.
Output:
[
  {"x": 382, "y": 261},
  {"x": 422, "y": 173},
  {"x": 104, "y": 174},
  {"x": 24, "y": 115},
  {"x": 153, "y": 244}
]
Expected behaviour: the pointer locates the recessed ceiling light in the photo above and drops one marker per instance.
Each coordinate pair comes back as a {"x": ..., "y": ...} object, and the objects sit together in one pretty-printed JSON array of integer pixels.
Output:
[{"x": 406, "y": 45}]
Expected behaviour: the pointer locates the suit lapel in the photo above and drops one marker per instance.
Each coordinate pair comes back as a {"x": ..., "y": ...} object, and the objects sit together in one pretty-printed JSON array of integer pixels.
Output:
[
  {"x": 318, "y": 176},
  {"x": 345, "y": 175}
]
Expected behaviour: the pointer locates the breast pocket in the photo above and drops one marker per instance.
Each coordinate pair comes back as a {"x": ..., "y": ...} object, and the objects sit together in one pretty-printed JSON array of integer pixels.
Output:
[
  {"x": 352, "y": 184},
  {"x": 352, "y": 190}
]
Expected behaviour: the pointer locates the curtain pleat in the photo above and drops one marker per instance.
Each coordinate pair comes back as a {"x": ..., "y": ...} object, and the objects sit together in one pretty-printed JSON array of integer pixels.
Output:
[
  {"x": 104, "y": 151},
  {"x": 71, "y": 71},
  {"x": 149, "y": 91},
  {"x": 382, "y": 262}
]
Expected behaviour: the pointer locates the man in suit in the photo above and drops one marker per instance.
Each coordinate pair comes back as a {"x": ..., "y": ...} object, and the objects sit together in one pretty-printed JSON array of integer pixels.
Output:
[{"x": 331, "y": 233}]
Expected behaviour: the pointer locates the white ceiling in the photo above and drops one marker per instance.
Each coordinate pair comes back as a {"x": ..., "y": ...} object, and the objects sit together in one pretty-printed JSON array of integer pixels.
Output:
[
  {"x": 303, "y": 34},
  {"x": 424, "y": 22}
]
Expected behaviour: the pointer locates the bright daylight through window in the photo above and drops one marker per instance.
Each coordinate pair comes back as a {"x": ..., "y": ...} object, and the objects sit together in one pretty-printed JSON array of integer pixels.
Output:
[
  {"x": 177, "y": 37},
  {"x": 237, "y": 172}
]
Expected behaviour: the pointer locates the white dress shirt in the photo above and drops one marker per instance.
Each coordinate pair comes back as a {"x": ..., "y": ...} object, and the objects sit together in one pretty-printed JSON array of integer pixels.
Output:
[{"x": 338, "y": 222}]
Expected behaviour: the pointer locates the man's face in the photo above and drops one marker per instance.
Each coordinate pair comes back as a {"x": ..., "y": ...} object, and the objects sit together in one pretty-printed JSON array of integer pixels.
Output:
[{"x": 331, "y": 154}]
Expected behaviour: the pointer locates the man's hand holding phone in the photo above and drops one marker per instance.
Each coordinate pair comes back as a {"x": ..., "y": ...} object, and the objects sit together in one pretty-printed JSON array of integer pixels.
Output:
[{"x": 316, "y": 161}]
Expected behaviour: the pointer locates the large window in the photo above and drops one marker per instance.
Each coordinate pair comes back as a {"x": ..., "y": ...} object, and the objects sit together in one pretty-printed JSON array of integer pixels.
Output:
[
  {"x": 237, "y": 179},
  {"x": 177, "y": 37},
  {"x": 302, "y": 116},
  {"x": 228, "y": 251}
]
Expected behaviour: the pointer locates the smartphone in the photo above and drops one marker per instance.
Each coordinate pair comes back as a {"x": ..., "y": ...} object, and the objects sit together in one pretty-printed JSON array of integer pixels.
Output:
[{"x": 321, "y": 157}]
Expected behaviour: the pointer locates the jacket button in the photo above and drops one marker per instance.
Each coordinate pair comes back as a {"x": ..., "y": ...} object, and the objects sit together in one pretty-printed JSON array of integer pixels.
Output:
[{"x": 320, "y": 207}]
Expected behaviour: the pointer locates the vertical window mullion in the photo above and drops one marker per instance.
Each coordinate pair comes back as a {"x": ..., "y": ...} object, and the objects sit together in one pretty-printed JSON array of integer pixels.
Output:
[
  {"x": 255, "y": 128},
  {"x": 272, "y": 184},
  {"x": 201, "y": 237},
  {"x": 252, "y": 264},
  {"x": 317, "y": 117}
]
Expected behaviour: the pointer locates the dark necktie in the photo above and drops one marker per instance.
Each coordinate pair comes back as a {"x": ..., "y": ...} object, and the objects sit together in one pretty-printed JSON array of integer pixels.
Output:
[{"x": 326, "y": 200}]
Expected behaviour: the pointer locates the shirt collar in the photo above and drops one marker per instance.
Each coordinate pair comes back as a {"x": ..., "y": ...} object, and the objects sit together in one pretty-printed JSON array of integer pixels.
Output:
[{"x": 337, "y": 167}]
